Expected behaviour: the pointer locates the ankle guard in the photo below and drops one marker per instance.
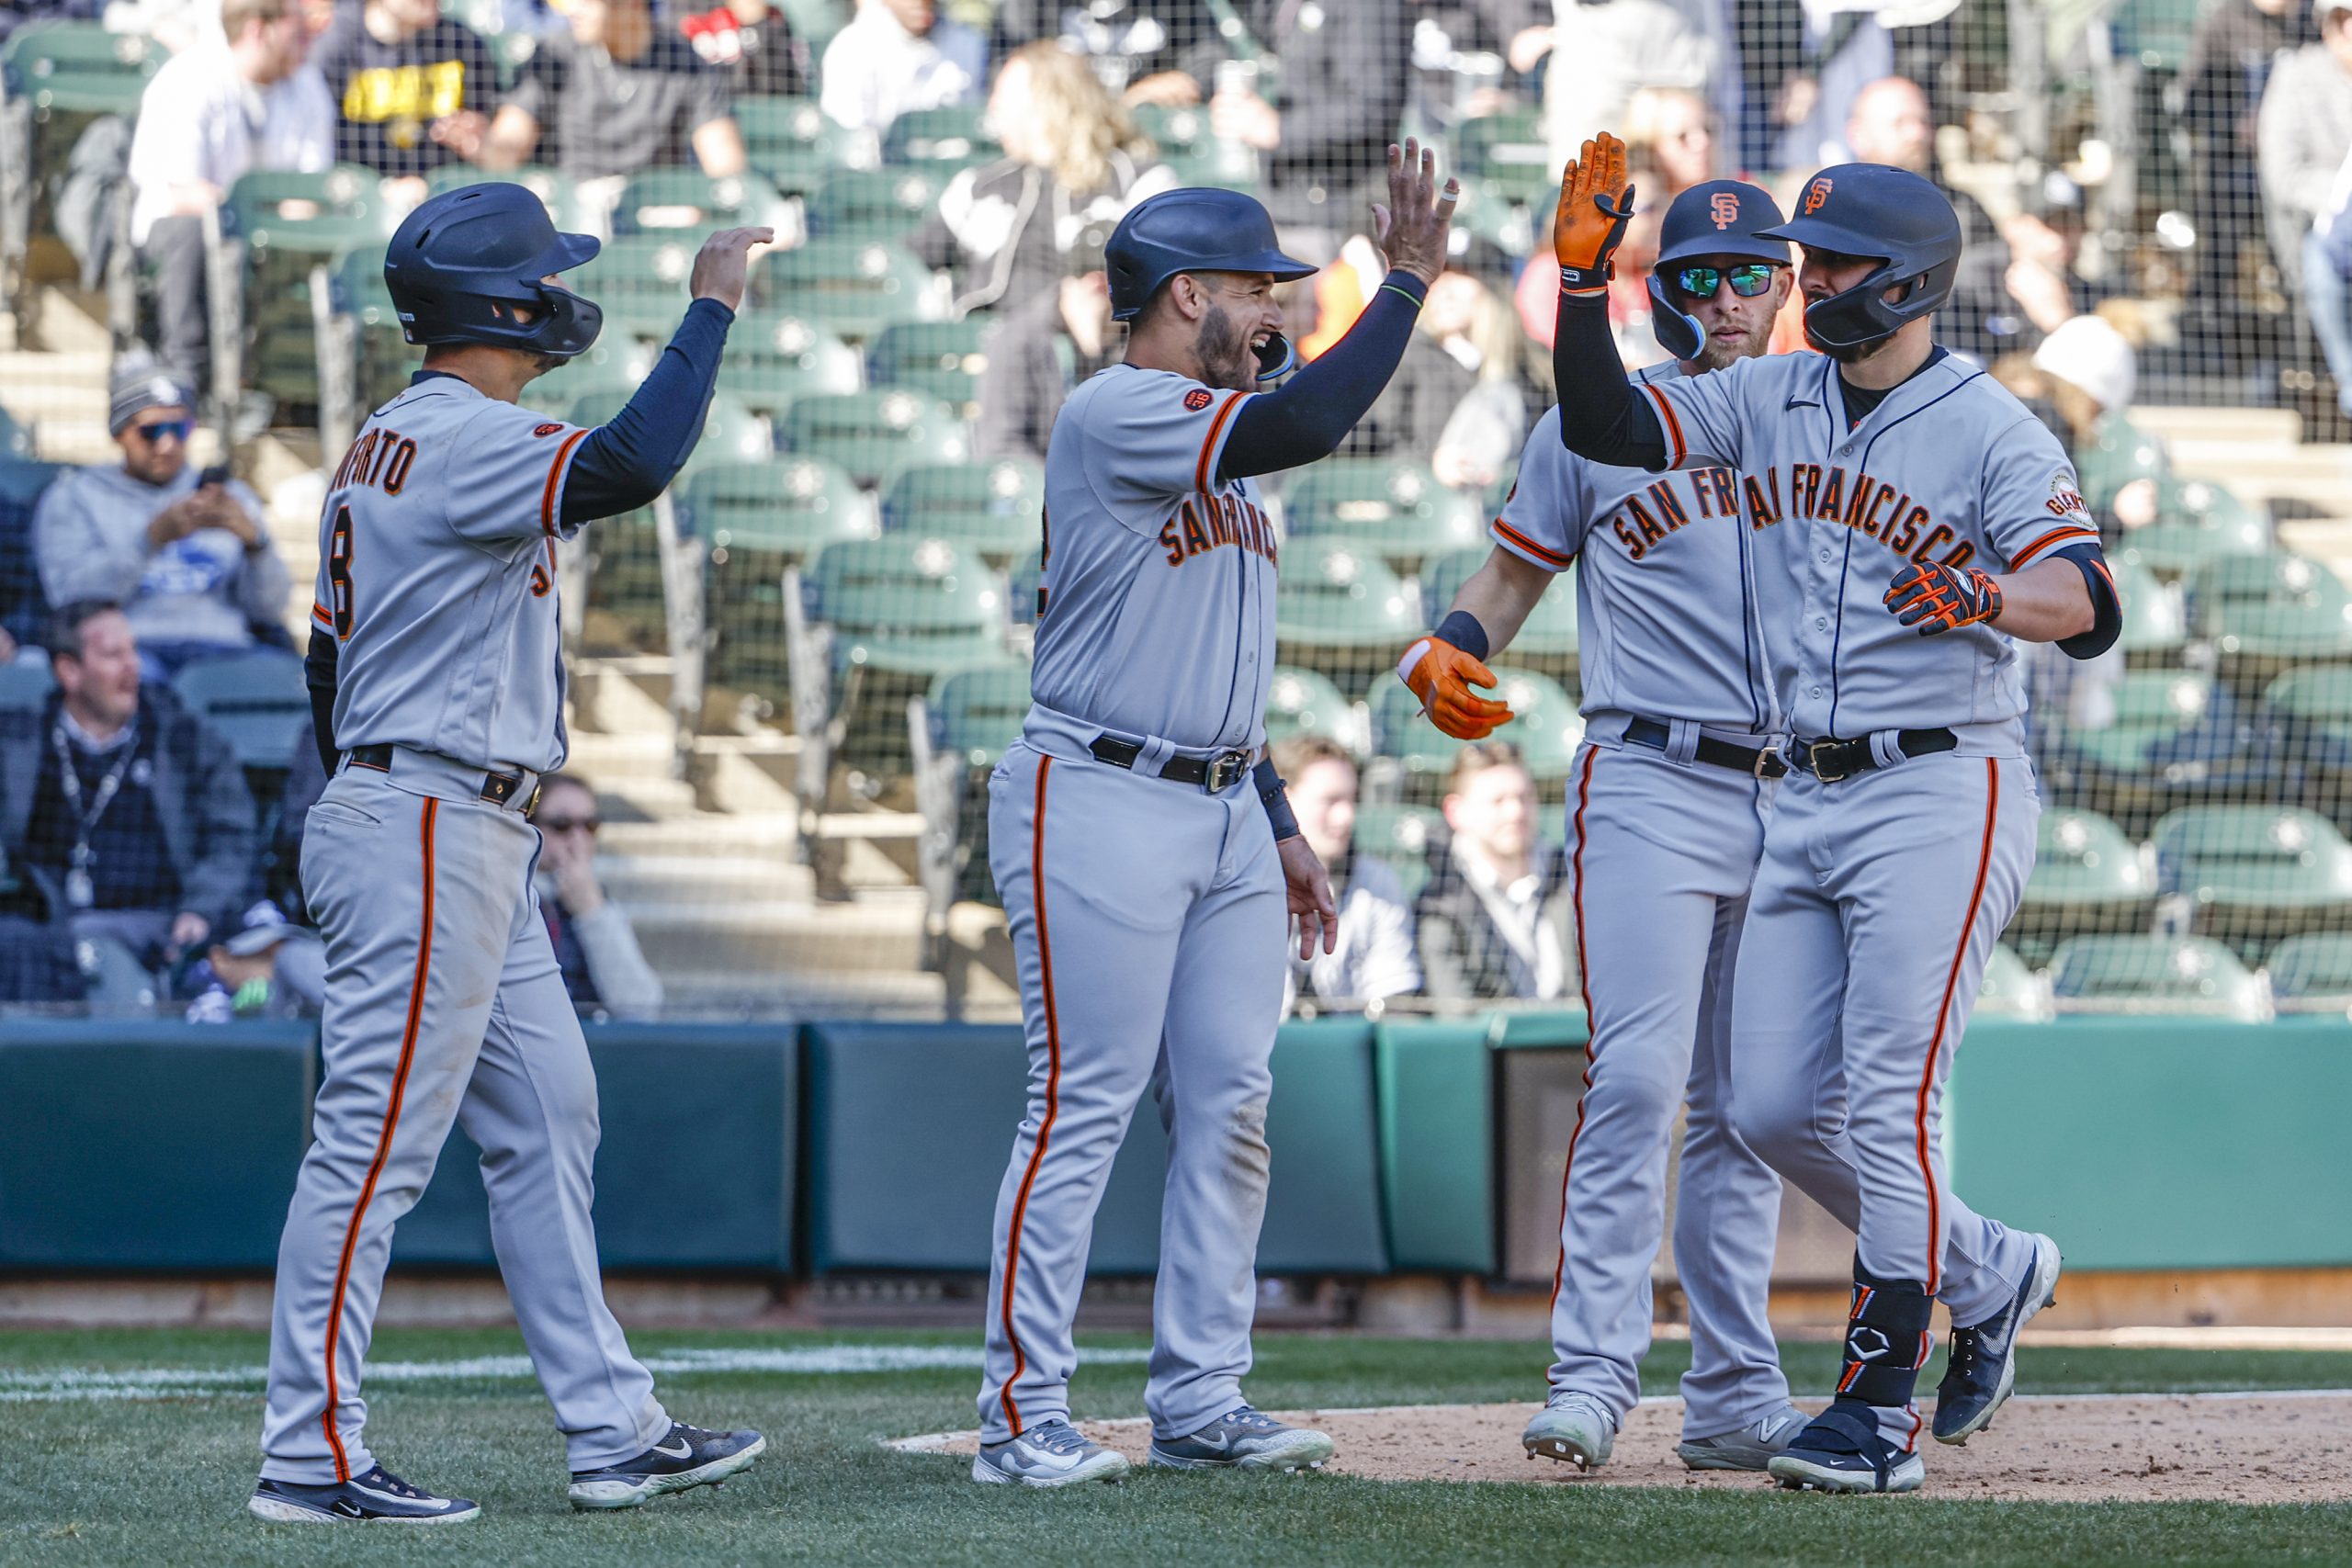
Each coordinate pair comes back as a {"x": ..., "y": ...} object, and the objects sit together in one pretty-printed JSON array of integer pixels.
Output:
[{"x": 1887, "y": 1339}]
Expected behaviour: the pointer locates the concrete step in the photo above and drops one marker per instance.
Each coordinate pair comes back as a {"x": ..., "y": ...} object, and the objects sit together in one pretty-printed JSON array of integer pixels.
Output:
[
  {"x": 2281, "y": 425},
  {"x": 717, "y": 881},
  {"x": 784, "y": 936},
  {"x": 729, "y": 994},
  {"x": 709, "y": 837}
]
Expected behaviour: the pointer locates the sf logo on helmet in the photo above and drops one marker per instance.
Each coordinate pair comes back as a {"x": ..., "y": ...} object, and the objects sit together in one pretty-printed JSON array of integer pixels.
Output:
[
  {"x": 1817, "y": 194},
  {"x": 1723, "y": 209}
]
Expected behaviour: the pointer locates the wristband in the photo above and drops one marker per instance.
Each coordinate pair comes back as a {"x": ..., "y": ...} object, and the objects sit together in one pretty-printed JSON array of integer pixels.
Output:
[
  {"x": 1269, "y": 786},
  {"x": 1462, "y": 629}
]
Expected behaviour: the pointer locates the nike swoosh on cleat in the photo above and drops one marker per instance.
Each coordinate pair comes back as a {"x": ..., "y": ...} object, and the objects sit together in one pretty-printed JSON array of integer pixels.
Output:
[{"x": 684, "y": 1450}]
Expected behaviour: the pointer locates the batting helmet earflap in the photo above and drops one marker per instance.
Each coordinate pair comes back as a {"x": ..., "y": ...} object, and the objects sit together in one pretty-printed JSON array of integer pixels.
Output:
[
  {"x": 1714, "y": 218},
  {"x": 1197, "y": 229},
  {"x": 460, "y": 263},
  {"x": 1888, "y": 214}
]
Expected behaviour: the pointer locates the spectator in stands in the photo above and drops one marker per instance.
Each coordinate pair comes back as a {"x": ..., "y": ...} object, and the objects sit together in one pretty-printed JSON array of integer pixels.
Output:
[
  {"x": 2230, "y": 58},
  {"x": 603, "y": 966},
  {"x": 1605, "y": 51},
  {"x": 2302, "y": 132},
  {"x": 243, "y": 101},
  {"x": 414, "y": 89},
  {"x": 617, "y": 95},
  {"x": 1148, "y": 51},
  {"x": 1323, "y": 138},
  {"x": 1468, "y": 315},
  {"x": 753, "y": 42},
  {"x": 1374, "y": 957},
  {"x": 1039, "y": 351},
  {"x": 1073, "y": 161},
  {"x": 186, "y": 553},
  {"x": 252, "y": 975},
  {"x": 1671, "y": 129},
  {"x": 1495, "y": 921},
  {"x": 126, "y": 801},
  {"x": 897, "y": 56}
]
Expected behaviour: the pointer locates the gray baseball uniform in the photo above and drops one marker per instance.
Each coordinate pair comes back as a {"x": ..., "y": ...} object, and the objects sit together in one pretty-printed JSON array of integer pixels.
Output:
[
  {"x": 1663, "y": 847},
  {"x": 1147, "y": 915},
  {"x": 1882, "y": 893},
  {"x": 444, "y": 1001}
]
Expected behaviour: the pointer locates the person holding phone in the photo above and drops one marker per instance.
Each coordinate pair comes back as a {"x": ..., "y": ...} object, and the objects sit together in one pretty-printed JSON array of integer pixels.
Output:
[{"x": 184, "y": 551}]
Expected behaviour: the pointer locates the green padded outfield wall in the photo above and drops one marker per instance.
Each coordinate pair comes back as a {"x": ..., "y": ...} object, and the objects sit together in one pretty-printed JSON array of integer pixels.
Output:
[
  {"x": 1437, "y": 1145},
  {"x": 139, "y": 1145},
  {"x": 909, "y": 1124},
  {"x": 2160, "y": 1143},
  {"x": 679, "y": 1105}
]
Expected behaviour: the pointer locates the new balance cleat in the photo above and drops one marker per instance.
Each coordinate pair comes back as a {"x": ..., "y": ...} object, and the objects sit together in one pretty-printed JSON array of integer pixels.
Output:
[
  {"x": 1576, "y": 1427},
  {"x": 378, "y": 1498},
  {"x": 1051, "y": 1453},
  {"x": 1749, "y": 1448},
  {"x": 688, "y": 1458},
  {"x": 1242, "y": 1438}
]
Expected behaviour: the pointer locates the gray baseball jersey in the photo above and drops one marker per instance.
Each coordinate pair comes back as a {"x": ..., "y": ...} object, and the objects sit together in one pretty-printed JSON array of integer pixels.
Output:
[
  {"x": 1158, "y": 608},
  {"x": 1667, "y": 615},
  {"x": 438, "y": 577},
  {"x": 1950, "y": 467}
]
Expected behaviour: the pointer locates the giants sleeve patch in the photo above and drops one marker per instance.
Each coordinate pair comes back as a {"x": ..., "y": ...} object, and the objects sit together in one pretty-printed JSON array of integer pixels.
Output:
[
  {"x": 546, "y": 429},
  {"x": 1198, "y": 399}
]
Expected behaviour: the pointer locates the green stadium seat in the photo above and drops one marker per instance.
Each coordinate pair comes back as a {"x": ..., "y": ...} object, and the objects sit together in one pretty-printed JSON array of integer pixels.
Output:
[
  {"x": 977, "y": 712},
  {"x": 1396, "y": 508},
  {"x": 791, "y": 143},
  {"x": 1401, "y": 837},
  {"x": 939, "y": 359},
  {"x": 307, "y": 214},
  {"x": 24, "y": 685},
  {"x": 2194, "y": 521},
  {"x": 2310, "y": 709},
  {"x": 772, "y": 359},
  {"x": 2151, "y": 707},
  {"x": 608, "y": 373},
  {"x": 755, "y": 520},
  {"x": 816, "y": 20},
  {"x": 856, "y": 286},
  {"x": 2312, "y": 974},
  {"x": 2089, "y": 878},
  {"x": 1300, "y": 702},
  {"x": 78, "y": 68},
  {"x": 1546, "y": 728},
  {"x": 2253, "y": 874},
  {"x": 730, "y": 433},
  {"x": 257, "y": 701},
  {"x": 996, "y": 510},
  {"x": 1336, "y": 604},
  {"x": 873, "y": 435},
  {"x": 17, "y": 446},
  {"x": 966, "y": 721},
  {"x": 1187, "y": 146},
  {"x": 558, "y": 193},
  {"x": 2155, "y": 33},
  {"x": 2155, "y": 628},
  {"x": 1550, "y": 632},
  {"x": 1028, "y": 574},
  {"x": 901, "y": 604},
  {"x": 2193, "y": 975},
  {"x": 657, "y": 201},
  {"x": 874, "y": 204},
  {"x": 1509, "y": 151},
  {"x": 2275, "y": 608},
  {"x": 2009, "y": 988},
  {"x": 2117, "y": 453},
  {"x": 640, "y": 282},
  {"x": 952, "y": 137}
]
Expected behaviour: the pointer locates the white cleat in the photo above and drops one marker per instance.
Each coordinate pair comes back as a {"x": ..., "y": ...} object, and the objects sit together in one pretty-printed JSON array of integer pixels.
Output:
[
  {"x": 1051, "y": 1453},
  {"x": 1573, "y": 1426}
]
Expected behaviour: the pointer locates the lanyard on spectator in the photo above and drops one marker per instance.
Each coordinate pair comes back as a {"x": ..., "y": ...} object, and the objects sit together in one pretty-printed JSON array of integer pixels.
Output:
[{"x": 81, "y": 892}]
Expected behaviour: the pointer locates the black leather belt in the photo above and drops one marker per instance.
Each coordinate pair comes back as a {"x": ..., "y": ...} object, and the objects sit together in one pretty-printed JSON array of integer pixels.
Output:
[
  {"x": 1762, "y": 762},
  {"x": 1831, "y": 760},
  {"x": 496, "y": 787},
  {"x": 1211, "y": 773}
]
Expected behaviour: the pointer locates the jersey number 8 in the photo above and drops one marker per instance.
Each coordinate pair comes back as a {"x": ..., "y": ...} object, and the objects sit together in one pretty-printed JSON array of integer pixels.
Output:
[{"x": 339, "y": 572}]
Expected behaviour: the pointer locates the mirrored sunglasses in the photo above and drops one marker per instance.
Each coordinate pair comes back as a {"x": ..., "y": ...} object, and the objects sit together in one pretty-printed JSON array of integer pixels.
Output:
[
  {"x": 1748, "y": 280},
  {"x": 155, "y": 430}
]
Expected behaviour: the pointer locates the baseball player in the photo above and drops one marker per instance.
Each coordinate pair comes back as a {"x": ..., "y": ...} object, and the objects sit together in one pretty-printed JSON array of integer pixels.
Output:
[
  {"x": 437, "y": 683},
  {"x": 1128, "y": 827},
  {"x": 1666, "y": 824},
  {"x": 1912, "y": 521}
]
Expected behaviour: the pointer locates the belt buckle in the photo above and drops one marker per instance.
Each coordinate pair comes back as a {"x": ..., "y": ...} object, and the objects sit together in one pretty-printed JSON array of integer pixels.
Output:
[
  {"x": 1813, "y": 761},
  {"x": 1226, "y": 770},
  {"x": 1765, "y": 757}
]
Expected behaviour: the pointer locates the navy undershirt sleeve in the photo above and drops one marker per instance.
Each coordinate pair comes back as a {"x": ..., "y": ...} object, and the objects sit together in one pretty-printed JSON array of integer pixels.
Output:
[
  {"x": 2105, "y": 606},
  {"x": 1601, "y": 417},
  {"x": 1307, "y": 417},
  {"x": 317, "y": 674},
  {"x": 624, "y": 463}
]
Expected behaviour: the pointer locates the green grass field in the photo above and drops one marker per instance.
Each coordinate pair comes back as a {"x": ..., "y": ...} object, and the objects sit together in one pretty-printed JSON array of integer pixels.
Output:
[{"x": 116, "y": 1481}]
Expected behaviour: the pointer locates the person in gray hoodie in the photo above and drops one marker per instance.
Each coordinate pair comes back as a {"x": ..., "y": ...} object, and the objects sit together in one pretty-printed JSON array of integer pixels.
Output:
[
  {"x": 2302, "y": 132},
  {"x": 185, "y": 553}
]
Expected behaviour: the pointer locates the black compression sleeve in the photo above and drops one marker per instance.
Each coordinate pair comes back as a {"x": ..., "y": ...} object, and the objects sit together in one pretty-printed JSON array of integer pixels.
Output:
[
  {"x": 1601, "y": 417},
  {"x": 624, "y": 464},
  {"x": 317, "y": 674},
  {"x": 2105, "y": 604},
  {"x": 1312, "y": 412}
]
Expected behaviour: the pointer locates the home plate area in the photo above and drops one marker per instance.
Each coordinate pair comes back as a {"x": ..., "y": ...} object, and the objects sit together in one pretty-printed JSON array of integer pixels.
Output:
[{"x": 2274, "y": 1447}]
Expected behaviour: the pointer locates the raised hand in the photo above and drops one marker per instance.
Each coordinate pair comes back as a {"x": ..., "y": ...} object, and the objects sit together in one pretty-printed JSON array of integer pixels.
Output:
[
  {"x": 1411, "y": 226},
  {"x": 723, "y": 263},
  {"x": 1595, "y": 203}
]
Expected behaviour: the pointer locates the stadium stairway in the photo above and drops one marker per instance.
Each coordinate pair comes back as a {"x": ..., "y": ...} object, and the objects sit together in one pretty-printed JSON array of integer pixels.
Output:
[{"x": 2261, "y": 456}]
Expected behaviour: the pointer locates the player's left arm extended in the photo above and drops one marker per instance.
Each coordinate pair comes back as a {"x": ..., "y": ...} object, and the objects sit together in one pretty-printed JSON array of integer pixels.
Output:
[
  {"x": 1312, "y": 412},
  {"x": 624, "y": 463}
]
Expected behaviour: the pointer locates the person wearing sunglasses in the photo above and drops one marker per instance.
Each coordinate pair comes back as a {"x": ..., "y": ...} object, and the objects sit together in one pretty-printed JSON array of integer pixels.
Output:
[
  {"x": 184, "y": 551},
  {"x": 603, "y": 969},
  {"x": 1666, "y": 802}
]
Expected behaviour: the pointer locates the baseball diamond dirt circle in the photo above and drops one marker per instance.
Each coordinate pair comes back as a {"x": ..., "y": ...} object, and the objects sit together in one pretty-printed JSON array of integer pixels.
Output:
[{"x": 2281, "y": 1446}]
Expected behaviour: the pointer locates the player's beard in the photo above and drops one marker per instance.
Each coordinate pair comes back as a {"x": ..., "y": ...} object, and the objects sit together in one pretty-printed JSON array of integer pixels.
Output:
[
  {"x": 1226, "y": 357},
  {"x": 1718, "y": 353}
]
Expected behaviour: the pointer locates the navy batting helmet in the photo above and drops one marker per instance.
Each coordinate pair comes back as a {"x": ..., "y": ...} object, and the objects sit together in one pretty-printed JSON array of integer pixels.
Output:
[
  {"x": 459, "y": 264},
  {"x": 1716, "y": 218},
  {"x": 1890, "y": 215},
  {"x": 1199, "y": 228}
]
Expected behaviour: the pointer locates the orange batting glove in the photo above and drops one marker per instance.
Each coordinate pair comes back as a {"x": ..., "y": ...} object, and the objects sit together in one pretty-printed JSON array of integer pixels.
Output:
[
  {"x": 1595, "y": 203},
  {"x": 1441, "y": 675}
]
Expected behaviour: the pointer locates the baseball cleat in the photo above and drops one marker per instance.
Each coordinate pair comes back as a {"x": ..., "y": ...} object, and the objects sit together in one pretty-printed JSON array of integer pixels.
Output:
[
  {"x": 1051, "y": 1453},
  {"x": 1574, "y": 1427},
  {"x": 378, "y": 1498},
  {"x": 1748, "y": 1447},
  {"x": 1981, "y": 1368},
  {"x": 688, "y": 1458},
  {"x": 1242, "y": 1438},
  {"x": 1840, "y": 1450}
]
